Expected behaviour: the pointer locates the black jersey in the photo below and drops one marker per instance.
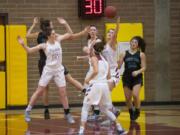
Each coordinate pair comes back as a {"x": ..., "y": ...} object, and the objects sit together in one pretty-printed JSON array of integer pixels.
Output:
[
  {"x": 132, "y": 62},
  {"x": 41, "y": 39}
]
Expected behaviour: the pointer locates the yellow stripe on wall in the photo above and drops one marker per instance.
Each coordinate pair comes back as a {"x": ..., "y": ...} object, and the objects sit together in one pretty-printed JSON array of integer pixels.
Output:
[
  {"x": 2, "y": 44},
  {"x": 2, "y": 90},
  {"x": 16, "y": 66}
]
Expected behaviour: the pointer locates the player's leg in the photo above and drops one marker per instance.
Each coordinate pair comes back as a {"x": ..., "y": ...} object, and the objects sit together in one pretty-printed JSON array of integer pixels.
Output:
[
  {"x": 43, "y": 82},
  {"x": 46, "y": 103},
  {"x": 34, "y": 97},
  {"x": 84, "y": 116},
  {"x": 61, "y": 83},
  {"x": 41, "y": 65},
  {"x": 137, "y": 102}
]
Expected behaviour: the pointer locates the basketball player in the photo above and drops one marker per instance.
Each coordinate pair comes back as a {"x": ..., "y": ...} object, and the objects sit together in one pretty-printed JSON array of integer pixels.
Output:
[
  {"x": 91, "y": 39},
  {"x": 53, "y": 68},
  {"x": 98, "y": 92},
  {"x": 135, "y": 65},
  {"x": 44, "y": 24}
]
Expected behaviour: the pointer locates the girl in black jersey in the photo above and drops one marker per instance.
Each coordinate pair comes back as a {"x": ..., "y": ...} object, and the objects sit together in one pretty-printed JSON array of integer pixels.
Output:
[
  {"x": 135, "y": 64},
  {"x": 41, "y": 38}
]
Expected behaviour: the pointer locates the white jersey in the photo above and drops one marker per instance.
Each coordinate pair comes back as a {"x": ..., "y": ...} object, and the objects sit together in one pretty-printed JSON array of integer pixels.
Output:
[
  {"x": 110, "y": 55},
  {"x": 98, "y": 92},
  {"x": 54, "y": 55},
  {"x": 103, "y": 69},
  {"x": 89, "y": 44},
  {"x": 53, "y": 68}
]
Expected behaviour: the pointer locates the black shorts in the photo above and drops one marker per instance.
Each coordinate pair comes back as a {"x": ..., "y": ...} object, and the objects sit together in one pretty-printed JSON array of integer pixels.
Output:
[
  {"x": 41, "y": 64},
  {"x": 65, "y": 71},
  {"x": 130, "y": 82}
]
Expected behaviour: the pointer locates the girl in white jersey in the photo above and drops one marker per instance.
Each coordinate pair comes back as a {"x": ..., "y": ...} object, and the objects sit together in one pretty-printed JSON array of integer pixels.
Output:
[
  {"x": 53, "y": 68},
  {"x": 109, "y": 54},
  {"x": 91, "y": 39},
  {"x": 44, "y": 23},
  {"x": 98, "y": 93}
]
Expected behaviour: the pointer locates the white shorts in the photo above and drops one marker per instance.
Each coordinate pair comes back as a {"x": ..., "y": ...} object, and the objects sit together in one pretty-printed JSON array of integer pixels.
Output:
[
  {"x": 115, "y": 76},
  {"x": 57, "y": 75},
  {"x": 98, "y": 94}
]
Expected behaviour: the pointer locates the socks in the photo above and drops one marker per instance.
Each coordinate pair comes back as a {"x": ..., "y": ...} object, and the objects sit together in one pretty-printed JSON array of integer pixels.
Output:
[
  {"x": 81, "y": 129},
  {"x": 29, "y": 108},
  {"x": 119, "y": 127},
  {"x": 66, "y": 111},
  {"x": 46, "y": 107}
]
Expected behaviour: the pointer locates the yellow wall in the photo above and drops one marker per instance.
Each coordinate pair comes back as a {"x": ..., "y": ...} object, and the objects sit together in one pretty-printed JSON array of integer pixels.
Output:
[
  {"x": 2, "y": 44},
  {"x": 2, "y": 74},
  {"x": 126, "y": 32},
  {"x": 2, "y": 90},
  {"x": 16, "y": 59}
]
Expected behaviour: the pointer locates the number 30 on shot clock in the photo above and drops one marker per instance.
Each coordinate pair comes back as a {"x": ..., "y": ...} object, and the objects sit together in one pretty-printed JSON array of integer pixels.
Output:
[{"x": 91, "y": 8}]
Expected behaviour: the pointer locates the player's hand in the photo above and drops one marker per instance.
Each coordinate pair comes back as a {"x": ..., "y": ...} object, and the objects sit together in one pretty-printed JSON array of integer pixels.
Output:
[
  {"x": 78, "y": 57},
  {"x": 20, "y": 40},
  {"x": 86, "y": 81},
  {"x": 61, "y": 20},
  {"x": 118, "y": 19},
  {"x": 35, "y": 21},
  {"x": 87, "y": 29},
  {"x": 135, "y": 73},
  {"x": 86, "y": 50}
]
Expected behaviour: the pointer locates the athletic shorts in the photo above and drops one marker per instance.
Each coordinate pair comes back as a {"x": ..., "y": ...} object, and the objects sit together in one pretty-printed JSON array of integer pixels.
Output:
[
  {"x": 65, "y": 71},
  {"x": 42, "y": 63},
  {"x": 130, "y": 82},
  {"x": 98, "y": 94},
  {"x": 57, "y": 75}
]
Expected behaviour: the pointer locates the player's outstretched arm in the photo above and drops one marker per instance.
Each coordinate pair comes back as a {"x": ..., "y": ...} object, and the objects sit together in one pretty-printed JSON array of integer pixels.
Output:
[
  {"x": 29, "y": 32},
  {"x": 70, "y": 36},
  {"x": 113, "y": 41},
  {"x": 28, "y": 49}
]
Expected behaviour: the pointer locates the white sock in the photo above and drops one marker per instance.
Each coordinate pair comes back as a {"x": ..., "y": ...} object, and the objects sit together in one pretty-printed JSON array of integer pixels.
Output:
[
  {"x": 119, "y": 127},
  {"x": 29, "y": 108},
  {"x": 81, "y": 129}
]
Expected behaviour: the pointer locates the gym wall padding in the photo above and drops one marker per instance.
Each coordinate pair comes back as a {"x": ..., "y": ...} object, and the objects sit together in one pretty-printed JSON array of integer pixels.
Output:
[{"x": 16, "y": 62}]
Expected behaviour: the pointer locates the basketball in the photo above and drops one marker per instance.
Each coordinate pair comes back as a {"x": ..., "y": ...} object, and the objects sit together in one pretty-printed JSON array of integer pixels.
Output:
[{"x": 110, "y": 12}]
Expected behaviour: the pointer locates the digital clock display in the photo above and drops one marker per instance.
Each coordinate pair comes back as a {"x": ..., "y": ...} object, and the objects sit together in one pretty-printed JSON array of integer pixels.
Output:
[{"x": 91, "y": 8}]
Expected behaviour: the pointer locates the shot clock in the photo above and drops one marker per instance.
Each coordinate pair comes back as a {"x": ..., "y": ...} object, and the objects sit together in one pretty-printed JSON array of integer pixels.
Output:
[{"x": 89, "y": 9}]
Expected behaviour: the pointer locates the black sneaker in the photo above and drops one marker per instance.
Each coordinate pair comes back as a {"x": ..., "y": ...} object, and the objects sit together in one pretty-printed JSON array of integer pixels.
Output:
[
  {"x": 132, "y": 114},
  {"x": 117, "y": 113},
  {"x": 136, "y": 114},
  {"x": 46, "y": 114}
]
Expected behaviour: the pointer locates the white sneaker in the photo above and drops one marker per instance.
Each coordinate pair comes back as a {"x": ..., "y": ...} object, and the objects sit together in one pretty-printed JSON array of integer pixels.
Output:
[
  {"x": 27, "y": 116},
  {"x": 81, "y": 131},
  {"x": 122, "y": 132},
  {"x": 69, "y": 118},
  {"x": 106, "y": 123}
]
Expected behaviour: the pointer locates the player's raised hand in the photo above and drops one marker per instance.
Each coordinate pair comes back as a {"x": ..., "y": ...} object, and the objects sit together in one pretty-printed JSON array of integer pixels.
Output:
[
  {"x": 20, "y": 40},
  {"x": 61, "y": 20},
  {"x": 35, "y": 21}
]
